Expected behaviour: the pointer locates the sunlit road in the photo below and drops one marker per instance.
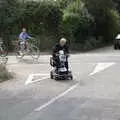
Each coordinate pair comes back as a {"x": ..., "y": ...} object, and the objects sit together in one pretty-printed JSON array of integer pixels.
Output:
[{"x": 94, "y": 94}]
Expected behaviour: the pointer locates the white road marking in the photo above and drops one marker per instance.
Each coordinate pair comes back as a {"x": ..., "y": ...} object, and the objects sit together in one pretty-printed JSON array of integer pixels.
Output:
[
  {"x": 31, "y": 76},
  {"x": 56, "y": 98},
  {"x": 101, "y": 67},
  {"x": 96, "y": 55}
]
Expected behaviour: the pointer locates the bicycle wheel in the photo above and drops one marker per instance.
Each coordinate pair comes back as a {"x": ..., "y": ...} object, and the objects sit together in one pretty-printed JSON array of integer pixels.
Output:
[
  {"x": 3, "y": 60},
  {"x": 3, "y": 51},
  {"x": 34, "y": 52},
  {"x": 19, "y": 53}
]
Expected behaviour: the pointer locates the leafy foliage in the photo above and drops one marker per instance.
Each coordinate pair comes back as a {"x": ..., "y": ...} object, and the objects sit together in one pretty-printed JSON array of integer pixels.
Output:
[
  {"x": 86, "y": 23},
  {"x": 77, "y": 20}
]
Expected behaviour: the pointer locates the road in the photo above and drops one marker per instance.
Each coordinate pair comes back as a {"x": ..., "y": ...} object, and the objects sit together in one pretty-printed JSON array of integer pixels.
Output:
[{"x": 94, "y": 94}]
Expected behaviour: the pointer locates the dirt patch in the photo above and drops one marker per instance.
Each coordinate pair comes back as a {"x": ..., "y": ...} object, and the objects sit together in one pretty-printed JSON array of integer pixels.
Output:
[{"x": 4, "y": 74}]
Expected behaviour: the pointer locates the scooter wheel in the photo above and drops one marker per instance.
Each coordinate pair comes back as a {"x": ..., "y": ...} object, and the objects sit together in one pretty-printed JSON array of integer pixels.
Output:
[
  {"x": 51, "y": 75},
  {"x": 71, "y": 77},
  {"x": 115, "y": 47},
  {"x": 56, "y": 78}
]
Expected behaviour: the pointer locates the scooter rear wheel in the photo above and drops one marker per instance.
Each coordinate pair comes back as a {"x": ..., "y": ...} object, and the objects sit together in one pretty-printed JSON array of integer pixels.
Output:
[
  {"x": 71, "y": 77},
  {"x": 56, "y": 78},
  {"x": 51, "y": 75}
]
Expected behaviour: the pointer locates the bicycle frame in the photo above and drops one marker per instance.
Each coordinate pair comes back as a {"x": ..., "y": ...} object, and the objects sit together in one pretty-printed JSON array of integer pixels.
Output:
[{"x": 31, "y": 49}]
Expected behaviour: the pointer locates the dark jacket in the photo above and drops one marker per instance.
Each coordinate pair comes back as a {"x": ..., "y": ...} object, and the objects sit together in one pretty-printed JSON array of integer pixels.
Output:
[{"x": 58, "y": 47}]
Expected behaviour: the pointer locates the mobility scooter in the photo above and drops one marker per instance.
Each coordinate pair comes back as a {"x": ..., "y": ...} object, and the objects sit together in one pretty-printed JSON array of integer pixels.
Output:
[{"x": 60, "y": 72}]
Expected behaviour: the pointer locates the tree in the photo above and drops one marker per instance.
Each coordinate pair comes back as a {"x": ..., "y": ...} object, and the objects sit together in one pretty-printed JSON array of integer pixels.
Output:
[
  {"x": 8, "y": 15},
  {"x": 101, "y": 10},
  {"x": 117, "y": 4},
  {"x": 77, "y": 21}
]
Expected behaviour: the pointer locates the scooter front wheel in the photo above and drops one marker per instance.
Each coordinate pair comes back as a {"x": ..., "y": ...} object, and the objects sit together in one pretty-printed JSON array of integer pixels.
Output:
[
  {"x": 56, "y": 78},
  {"x": 71, "y": 77},
  {"x": 51, "y": 75}
]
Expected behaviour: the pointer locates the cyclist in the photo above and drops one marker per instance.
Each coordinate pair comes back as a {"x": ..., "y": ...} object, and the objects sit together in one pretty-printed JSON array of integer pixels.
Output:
[
  {"x": 23, "y": 37},
  {"x": 62, "y": 45}
]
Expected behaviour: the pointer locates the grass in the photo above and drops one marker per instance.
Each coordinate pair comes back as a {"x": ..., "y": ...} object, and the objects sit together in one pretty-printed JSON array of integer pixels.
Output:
[{"x": 4, "y": 74}]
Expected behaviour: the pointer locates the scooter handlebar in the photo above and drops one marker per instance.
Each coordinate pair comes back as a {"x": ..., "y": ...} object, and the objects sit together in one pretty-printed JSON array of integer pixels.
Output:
[{"x": 57, "y": 54}]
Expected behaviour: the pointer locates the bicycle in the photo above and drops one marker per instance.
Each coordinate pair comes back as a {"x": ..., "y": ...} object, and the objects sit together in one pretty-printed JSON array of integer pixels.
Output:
[
  {"x": 27, "y": 48},
  {"x": 3, "y": 53}
]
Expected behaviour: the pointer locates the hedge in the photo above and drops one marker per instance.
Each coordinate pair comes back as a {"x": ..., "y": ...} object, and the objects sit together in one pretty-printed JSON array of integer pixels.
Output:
[{"x": 80, "y": 21}]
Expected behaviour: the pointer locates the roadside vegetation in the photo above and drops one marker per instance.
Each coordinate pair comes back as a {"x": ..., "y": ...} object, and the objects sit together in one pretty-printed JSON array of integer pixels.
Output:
[
  {"x": 87, "y": 24},
  {"x": 4, "y": 74}
]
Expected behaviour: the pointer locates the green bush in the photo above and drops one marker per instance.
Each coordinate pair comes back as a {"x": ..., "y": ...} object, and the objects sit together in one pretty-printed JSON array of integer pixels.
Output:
[
  {"x": 42, "y": 19},
  {"x": 114, "y": 23},
  {"x": 80, "y": 21},
  {"x": 89, "y": 43},
  {"x": 104, "y": 15}
]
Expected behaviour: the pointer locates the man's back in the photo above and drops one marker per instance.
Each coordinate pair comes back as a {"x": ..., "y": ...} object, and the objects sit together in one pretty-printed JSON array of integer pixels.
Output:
[{"x": 58, "y": 47}]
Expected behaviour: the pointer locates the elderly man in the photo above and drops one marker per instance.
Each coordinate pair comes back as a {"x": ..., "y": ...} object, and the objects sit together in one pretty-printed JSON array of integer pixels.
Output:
[{"x": 62, "y": 45}]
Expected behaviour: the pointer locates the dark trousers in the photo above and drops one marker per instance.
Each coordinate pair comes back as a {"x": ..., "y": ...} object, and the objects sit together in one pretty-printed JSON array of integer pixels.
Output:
[{"x": 57, "y": 63}]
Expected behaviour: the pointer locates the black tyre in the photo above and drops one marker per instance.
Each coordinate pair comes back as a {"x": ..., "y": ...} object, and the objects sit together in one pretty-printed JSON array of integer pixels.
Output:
[
  {"x": 56, "y": 78},
  {"x": 71, "y": 77},
  {"x": 51, "y": 75},
  {"x": 115, "y": 47},
  {"x": 51, "y": 61}
]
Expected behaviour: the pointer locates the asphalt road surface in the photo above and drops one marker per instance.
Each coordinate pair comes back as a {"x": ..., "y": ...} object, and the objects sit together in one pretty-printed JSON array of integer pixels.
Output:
[{"x": 94, "y": 94}]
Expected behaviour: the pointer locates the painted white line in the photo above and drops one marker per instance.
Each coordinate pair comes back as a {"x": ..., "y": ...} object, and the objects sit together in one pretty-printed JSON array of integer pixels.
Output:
[
  {"x": 38, "y": 80},
  {"x": 29, "y": 79},
  {"x": 97, "y": 55},
  {"x": 56, "y": 98},
  {"x": 40, "y": 74},
  {"x": 101, "y": 67},
  {"x": 31, "y": 76}
]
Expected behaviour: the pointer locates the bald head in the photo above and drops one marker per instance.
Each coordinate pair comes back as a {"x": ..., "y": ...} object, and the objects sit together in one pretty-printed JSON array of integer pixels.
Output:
[
  {"x": 63, "y": 41},
  {"x": 24, "y": 30}
]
